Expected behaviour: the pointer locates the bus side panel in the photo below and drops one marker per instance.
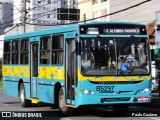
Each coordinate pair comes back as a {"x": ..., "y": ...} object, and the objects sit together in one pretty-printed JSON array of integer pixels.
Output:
[
  {"x": 10, "y": 88},
  {"x": 45, "y": 93},
  {"x": 27, "y": 90}
]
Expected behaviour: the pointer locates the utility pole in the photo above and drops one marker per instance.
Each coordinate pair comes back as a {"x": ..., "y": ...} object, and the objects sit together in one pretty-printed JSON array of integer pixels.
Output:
[{"x": 24, "y": 15}]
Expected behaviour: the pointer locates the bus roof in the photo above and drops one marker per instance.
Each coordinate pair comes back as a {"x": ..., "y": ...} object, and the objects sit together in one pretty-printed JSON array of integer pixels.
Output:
[{"x": 61, "y": 29}]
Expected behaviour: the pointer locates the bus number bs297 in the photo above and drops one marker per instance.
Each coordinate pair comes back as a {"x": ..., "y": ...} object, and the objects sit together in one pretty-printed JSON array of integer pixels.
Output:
[{"x": 103, "y": 89}]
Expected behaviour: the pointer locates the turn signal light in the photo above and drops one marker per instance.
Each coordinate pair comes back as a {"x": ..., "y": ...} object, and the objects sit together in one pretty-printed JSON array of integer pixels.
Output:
[{"x": 145, "y": 98}]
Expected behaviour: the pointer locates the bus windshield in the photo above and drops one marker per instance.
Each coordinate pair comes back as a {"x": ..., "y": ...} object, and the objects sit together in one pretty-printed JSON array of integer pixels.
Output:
[{"x": 114, "y": 56}]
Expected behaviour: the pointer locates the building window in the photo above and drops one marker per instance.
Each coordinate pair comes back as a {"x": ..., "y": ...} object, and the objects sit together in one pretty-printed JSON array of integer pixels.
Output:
[
  {"x": 28, "y": 1},
  {"x": 24, "y": 51},
  {"x": 95, "y": 15},
  {"x": 48, "y": 15},
  {"x": 103, "y": 0},
  {"x": 7, "y": 50},
  {"x": 29, "y": 8},
  {"x": 94, "y": 1},
  {"x": 15, "y": 52},
  {"x": 49, "y": 1},
  {"x": 103, "y": 13},
  {"x": 29, "y": 15},
  {"x": 39, "y": 1},
  {"x": 45, "y": 50},
  {"x": 57, "y": 49},
  {"x": 34, "y": 15}
]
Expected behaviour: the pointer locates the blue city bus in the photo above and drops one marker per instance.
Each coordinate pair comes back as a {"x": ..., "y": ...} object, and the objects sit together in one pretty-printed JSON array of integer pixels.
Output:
[{"x": 96, "y": 63}]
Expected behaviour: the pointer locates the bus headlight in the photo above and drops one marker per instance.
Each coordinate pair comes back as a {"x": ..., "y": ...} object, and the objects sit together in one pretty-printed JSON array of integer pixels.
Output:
[
  {"x": 144, "y": 90},
  {"x": 85, "y": 91},
  {"x": 91, "y": 92}
]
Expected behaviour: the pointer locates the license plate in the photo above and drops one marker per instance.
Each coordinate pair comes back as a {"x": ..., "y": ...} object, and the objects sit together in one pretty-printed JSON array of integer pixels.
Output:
[{"x": 105, "y": 89}]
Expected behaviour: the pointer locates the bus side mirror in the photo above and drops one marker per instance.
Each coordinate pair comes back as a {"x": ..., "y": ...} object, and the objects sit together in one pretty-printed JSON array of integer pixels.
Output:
[{"x": 152, "y": 55}]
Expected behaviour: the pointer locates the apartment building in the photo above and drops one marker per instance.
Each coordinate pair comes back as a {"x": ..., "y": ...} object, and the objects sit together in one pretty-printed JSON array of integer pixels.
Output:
[
  {"x": 6, "y": 15},
  {"x": 93, "y": 8},
  {"x": 41, "y": 11},
  {"x": 136, "y": 12}
]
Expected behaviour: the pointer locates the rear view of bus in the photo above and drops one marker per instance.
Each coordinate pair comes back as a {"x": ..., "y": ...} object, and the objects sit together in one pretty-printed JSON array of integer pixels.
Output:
[{"x": 114, "y": 65}]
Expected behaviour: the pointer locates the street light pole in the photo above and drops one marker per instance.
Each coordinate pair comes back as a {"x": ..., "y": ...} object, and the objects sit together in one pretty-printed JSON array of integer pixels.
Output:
[{"x": 24, "y": 16}]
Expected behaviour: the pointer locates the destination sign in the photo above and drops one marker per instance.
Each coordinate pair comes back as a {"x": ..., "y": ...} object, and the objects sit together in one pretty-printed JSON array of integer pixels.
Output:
[
  {"x": 136, "y": 31},
  {"x": 111, "y": 29}
]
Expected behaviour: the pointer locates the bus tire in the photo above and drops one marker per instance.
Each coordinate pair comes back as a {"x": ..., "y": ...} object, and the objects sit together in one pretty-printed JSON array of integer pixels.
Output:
[
  {"x": 22, "y": 96},
  {"x": 120, "y": 109},
  {"x": 62, "y": 104}
]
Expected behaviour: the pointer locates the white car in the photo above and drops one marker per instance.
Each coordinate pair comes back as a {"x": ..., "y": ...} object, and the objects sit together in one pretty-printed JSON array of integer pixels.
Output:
[{"x": 154, "y": 85}]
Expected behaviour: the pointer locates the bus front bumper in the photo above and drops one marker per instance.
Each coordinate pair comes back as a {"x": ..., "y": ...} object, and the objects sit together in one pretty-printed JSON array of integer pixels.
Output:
[{"x": 112, "y": 100}]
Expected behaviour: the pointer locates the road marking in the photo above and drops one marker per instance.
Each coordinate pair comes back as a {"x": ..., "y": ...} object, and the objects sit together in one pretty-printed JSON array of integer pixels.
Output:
[
  {"x": 155, "y": 118},
  {"x": 6, "y": 104},
  {"x": 65, "y": 119}
]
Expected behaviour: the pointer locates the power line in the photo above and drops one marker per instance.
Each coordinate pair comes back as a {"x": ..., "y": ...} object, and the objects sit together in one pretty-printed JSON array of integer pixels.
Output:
[
  {"x": 136, "y": 11},
  {"x": 19, "y": 11},
  {"x": 28, "y": 10},
  {"x": 119, "y": 11},
  {"x": 42, "y": 14},
  {"x": 16, "y": 7},
  {"x": 11, "y": 29},
  {"x": 89, "y": 19}
]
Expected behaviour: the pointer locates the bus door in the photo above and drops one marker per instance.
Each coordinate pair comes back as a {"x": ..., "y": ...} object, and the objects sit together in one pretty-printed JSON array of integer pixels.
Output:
[
  {"x": 70, "y": 71},
  {"x": 34, "y": 69}
]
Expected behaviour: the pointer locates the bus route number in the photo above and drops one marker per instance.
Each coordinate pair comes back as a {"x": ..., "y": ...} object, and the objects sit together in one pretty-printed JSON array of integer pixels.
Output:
[{"x": 103, "y": 89}]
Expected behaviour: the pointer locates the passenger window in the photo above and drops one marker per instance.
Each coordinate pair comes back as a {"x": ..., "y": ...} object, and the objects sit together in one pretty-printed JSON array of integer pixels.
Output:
[
  {"x": 57, "y": 49},
  {"x": 45, "y": 50},
  {"x": 15, "y": 52},
  {"x": 7, "y": 50},
  {"x": 24, "y": 51}
]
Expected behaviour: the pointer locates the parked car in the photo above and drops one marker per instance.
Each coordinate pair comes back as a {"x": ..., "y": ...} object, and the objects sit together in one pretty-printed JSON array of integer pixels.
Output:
[{"x": 154, "y": 85}]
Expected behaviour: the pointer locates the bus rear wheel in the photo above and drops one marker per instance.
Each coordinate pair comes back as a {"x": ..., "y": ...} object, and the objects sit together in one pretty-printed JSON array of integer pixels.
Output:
[
  {"x": 22, "y": 97},
  {"x": 62, "y": 104}
]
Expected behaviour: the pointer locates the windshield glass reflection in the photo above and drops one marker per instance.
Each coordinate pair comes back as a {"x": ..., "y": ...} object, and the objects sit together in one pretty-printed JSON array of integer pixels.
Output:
[{"x": 114, "y": 56}]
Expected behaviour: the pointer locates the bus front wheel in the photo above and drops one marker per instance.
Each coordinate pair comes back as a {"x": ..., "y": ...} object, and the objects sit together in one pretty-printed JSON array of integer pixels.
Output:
[
  {"x": 62, "y": 104},
  {"x": 22, "y": 97}
]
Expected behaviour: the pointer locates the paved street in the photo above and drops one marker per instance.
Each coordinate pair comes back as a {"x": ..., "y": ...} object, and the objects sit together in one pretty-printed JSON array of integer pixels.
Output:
[{"x": 11, "y": 104}]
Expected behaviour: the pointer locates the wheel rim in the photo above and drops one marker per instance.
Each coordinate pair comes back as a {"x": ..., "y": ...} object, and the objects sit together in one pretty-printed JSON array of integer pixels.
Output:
[
  {"x": 62, "y": 103},
  {"x": 22, "y": 95}
]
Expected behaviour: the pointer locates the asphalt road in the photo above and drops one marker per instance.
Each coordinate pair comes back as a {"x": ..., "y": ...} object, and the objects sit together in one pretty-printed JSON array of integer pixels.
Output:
[{"x": 10, "y": 106}]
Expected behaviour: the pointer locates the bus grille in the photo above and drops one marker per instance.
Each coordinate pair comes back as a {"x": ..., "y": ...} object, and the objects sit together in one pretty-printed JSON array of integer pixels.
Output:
[
  {"x": 116, "y": 82},
  {"x": 117, "y": 99}
]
